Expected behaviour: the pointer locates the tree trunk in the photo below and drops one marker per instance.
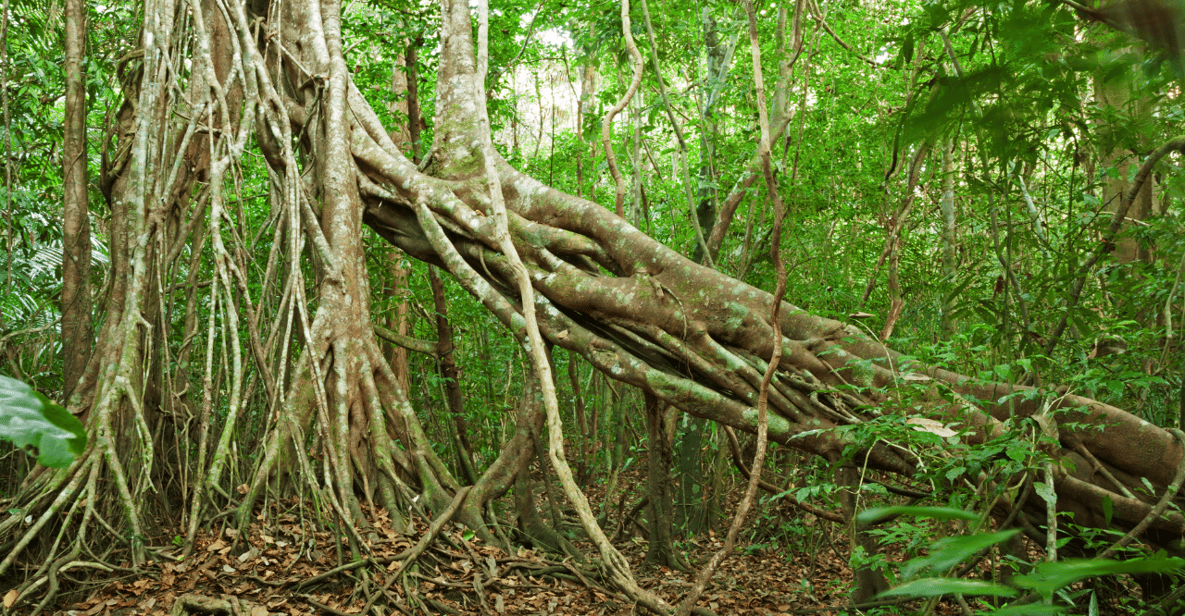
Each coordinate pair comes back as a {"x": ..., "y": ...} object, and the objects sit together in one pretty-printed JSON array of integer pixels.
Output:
[
  {"x": 361, "y": 410},
  {"x": 660, "y": 550},
  {"x": 587, "y": 437},
  {"x": 949, "y": 248},
  {"x": 451, "y": 374},
  {"x": 1117, "y": 162},
  {"x": 77, "y": 330},
  {"x": 870, "y": 580},
  {"x": 692, "y": 505},
  {"x": 719, "y": 60}
]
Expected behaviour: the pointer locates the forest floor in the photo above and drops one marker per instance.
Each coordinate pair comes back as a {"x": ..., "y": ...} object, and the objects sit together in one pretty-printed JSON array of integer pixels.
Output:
[
  {"x": 270, "y": 578},
  {"x": 278, "y": 569}
]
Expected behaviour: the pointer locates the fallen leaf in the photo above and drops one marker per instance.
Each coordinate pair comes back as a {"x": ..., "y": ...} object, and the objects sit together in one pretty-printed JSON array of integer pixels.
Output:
[
  {"x": 10, "y": 598},
  {"x": 922, "y": 424}
]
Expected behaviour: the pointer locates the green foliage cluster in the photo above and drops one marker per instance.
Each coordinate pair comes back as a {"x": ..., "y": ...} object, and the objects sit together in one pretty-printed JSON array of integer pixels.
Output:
[{"x": 925, "y": 576}]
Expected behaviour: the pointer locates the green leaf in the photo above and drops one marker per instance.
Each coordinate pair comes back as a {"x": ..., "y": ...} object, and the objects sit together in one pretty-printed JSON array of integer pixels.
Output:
[
  {"x": 876, "y": 514},
  {"x": 934, "y": 587},
  {"x": 958, "y": 290},
  {"x": 938, "y": 14},
  {"x": 1108, "y": 509},
  {"x": 29, "y": 419},
  {"x": 950, "y": 551},
  {"x": 1045, "y": 491},
  {"x": 1047, "y": 578}
]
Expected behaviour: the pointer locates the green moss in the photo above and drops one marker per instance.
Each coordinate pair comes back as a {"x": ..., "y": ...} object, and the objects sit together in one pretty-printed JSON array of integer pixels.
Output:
[{"x": 777, "y": 424}]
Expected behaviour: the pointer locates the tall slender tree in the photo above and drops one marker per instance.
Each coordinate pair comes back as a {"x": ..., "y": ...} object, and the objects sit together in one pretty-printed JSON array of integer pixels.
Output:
[{"x": 77, "y": 327}]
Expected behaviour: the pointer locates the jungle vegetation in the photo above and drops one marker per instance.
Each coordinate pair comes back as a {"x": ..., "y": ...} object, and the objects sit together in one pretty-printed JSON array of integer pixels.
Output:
[{"x": 389, "y": 256}]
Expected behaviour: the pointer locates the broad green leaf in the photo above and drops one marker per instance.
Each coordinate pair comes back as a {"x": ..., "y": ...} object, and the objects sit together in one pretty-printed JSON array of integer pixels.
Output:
[
  {"x": 950, "y": 551},
  {"x": 1047, "y": 578},
  {"x": 934, "y": 587},
  {"x": 29, "y": 419},
  {"x": 876, "y": 514}
]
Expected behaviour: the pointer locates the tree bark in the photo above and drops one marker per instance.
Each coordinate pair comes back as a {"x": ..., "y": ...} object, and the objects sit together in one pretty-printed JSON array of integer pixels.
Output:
[
  {"x": 451, "y": 375},
  {"x": 949, "y": 226},
  {"x": 77, "y": 329},
  {"x": 660, "y": 549}
]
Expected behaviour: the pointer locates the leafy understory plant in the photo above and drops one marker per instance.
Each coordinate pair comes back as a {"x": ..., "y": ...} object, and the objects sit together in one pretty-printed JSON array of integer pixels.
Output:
[
  {"x": 1043, "y": 583},
  {"x": 36, "y": 424}
]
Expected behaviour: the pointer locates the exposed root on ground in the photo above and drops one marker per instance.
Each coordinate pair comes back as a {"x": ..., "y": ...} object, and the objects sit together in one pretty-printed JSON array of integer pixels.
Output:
[{"x": 283, "y": 563}]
